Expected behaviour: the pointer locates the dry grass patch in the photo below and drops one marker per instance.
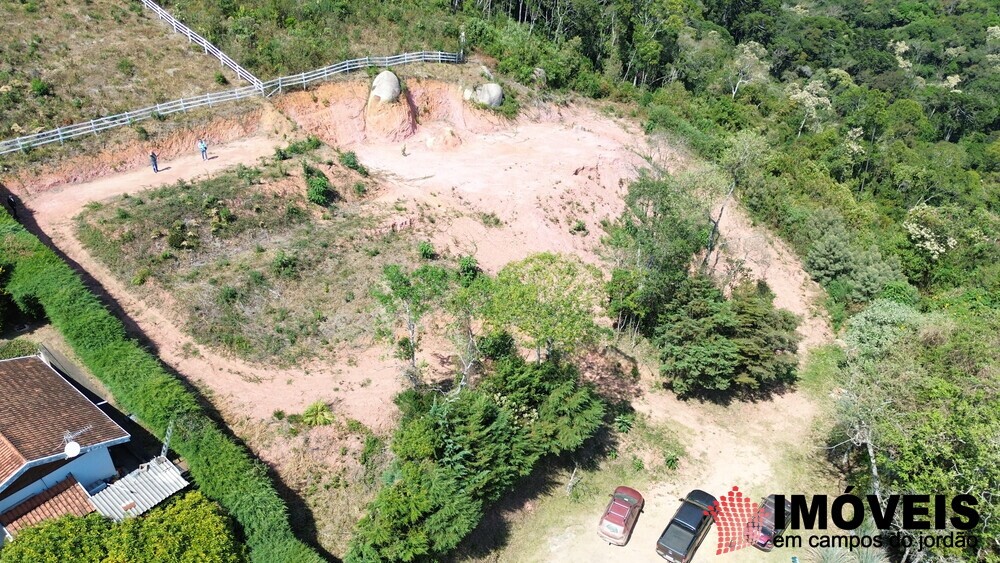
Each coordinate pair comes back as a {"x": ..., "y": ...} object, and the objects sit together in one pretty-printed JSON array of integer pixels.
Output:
[
  {"x": 65, "y": 62},
  {"x": 251, "y": 265},
  {"x": 333, "y": 470}
]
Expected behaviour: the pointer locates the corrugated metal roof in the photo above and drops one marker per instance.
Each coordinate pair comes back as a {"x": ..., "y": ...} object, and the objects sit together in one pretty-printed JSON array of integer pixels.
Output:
[{"x": 140, "y": 490}]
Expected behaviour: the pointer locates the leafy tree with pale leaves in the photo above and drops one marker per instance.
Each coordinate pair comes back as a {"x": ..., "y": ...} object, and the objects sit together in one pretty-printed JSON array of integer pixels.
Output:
[{"x": 549, "y": 298}]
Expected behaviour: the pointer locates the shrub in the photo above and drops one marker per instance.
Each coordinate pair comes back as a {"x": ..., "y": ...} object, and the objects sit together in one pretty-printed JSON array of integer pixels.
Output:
[
  {"x": 317, "y": 414},
  {"x": 360, "y": 189},
  {"x": 294, "y": 213},
  {"x": 17, "y": 348},
  {"x": 318, "y": 188},
  {"x": 221, "y": 79},
  {"x": 141, "y": 276},
  {"x": 490, "y": 219},
  {"x": 126, "y": 67},
  {"x": 457, "y": 456},
  {"x": 426, "y": 250},
  {"x": 142, "y": 133},
  {"x": 40, "y": 88},
  {"x": 285, "y": 265},
  {"x": 468, "y": 270},
  {"x": 180, "y": 237},
  {"x": 497, "y": 345},
  {"x": 248, "y": 174},
  {"x": 350, "y": 160},
  {"x": 624, "y": 422},
  {"x": 189, "y": 528},
  {"x": 310, "y": 144}
]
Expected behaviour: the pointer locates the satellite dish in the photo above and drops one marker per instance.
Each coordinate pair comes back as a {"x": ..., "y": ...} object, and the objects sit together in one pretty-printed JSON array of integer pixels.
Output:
[{"x": 72, "y": 449}]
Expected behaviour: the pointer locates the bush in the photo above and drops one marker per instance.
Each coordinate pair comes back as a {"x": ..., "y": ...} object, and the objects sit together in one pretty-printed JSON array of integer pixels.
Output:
[
  {"x": 285, "y": 265},
  {"x": 40, "y": 88},
  {"x": 317, "y": 414},
  {"x": 497, "y": 345},
  {"x": 468, "y": 270},
  {"x": 221, "y": 79},
  {"x": 426, "y": 250},
  {"x": 310, "y": 144},
  {"x": 710, "y": 344},
  {"x": 189, "y": 528},
  {"x": 126, "y": 67},
  {"x": 457, "y": 456},
  {"x": 17, "y": 348},
  {"x": 224, "y": 470},
  {"x": 318, "y": 188},
  {"x": 350, "y": 160}
]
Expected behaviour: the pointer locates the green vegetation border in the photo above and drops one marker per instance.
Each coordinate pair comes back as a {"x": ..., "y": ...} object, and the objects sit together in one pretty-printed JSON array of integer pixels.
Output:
[{"x": 41, "y": 282}]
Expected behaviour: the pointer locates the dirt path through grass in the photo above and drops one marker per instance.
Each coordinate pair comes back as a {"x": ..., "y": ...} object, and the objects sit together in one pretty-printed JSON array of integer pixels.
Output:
[{"x": 227, "y": 380}]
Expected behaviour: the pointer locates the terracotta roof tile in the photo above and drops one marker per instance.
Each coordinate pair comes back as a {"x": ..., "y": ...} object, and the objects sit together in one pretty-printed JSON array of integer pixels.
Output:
[
  {"x": 66, "y": 497},
  {"x": 37, "y": 409}
]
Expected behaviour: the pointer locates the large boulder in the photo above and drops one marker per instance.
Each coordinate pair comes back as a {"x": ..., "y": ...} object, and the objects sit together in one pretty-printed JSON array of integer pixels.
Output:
[
  {"x": 490, "y": 94},
  {"x": 386, "y": 87}
]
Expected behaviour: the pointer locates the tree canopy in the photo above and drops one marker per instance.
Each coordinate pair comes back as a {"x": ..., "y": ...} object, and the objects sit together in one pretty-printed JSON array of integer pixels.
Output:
[{"x": 190, "y": 529}]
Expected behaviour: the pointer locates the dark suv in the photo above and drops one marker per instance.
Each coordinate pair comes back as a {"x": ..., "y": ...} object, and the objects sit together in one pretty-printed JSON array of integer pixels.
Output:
[
  {"x": 686, "y": 530},
  {"x": 760, "y": 530}
]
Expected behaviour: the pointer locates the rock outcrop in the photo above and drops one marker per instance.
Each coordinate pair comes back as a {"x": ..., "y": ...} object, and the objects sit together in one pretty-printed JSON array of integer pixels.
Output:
[
  {"x": 385, "y": 87},
  {"x": 490, "y": 94}
]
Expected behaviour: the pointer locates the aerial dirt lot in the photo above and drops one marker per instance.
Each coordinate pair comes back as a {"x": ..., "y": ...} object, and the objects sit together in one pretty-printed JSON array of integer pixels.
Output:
[{"x": 473, "y": 184}]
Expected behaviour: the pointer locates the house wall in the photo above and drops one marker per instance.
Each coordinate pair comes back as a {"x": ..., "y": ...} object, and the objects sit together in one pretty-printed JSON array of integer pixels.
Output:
[{"x": 88, "y": 469}]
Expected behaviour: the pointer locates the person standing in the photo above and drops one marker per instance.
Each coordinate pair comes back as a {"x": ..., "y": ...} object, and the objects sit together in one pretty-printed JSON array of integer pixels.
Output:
[
  {"x": 152, "y": 161},
  {"x": 12, "y": 204},
  {"x": 203, "y": 147}
]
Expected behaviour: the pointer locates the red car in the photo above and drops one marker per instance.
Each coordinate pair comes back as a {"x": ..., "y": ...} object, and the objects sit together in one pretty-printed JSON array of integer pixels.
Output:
[
  {"x": 761, "y": 531},
  {"x": 619, "y": 517}
]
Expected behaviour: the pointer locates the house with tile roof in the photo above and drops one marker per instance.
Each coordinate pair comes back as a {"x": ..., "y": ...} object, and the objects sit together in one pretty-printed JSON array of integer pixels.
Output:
[{"x": 40, "y": 413}]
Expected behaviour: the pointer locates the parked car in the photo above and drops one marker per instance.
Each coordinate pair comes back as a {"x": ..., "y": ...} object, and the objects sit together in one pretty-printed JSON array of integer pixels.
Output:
[
  {"x": 620, "y": 516},
  {"x": 760, "y": 530},
  {"x": 686, "y": 530}
]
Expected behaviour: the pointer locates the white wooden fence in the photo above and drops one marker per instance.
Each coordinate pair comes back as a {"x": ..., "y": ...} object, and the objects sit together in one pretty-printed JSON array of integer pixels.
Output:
[
  {"x": 256, "y": 88},
  {"x": 268, "y": 88},
  {"x": 205, "y": 44}
]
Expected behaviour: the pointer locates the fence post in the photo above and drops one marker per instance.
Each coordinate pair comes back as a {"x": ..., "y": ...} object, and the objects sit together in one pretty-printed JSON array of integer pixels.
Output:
[
  {"x": 92, "y": 128},
  {"x": 184, "y": 109},
  {"x": 59, "y": 132}
]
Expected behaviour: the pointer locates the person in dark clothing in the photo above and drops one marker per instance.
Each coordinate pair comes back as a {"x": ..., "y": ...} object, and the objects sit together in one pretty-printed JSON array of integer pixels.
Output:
[
  {"x": 12, "y": 204},
  {"x": 152, "y": 160}
]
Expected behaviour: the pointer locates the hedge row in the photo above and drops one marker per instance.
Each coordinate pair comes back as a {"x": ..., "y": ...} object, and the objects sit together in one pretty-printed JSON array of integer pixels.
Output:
[{"x": 40, "y": 282}]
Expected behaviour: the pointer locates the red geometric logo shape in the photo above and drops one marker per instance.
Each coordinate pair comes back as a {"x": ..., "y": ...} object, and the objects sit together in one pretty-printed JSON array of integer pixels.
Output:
[{"x": 735, "y": 516}]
